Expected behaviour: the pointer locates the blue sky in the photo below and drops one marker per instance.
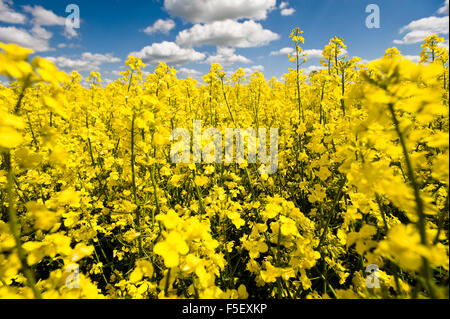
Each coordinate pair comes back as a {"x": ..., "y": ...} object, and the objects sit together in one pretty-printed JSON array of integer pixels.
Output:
[{"x": 190, "y": 34}]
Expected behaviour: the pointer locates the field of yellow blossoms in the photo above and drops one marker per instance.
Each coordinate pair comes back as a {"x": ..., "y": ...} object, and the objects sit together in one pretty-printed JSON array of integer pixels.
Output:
[{"x": 93, "y": 207}]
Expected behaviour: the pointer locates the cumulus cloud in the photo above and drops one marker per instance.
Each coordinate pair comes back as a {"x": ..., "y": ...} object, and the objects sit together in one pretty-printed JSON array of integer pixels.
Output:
[
  {"x": 227, "y": 33},
  {"x": 188, "y": 73},
  {"x": 197, "y": 11},
  {"x": 312, "y": 68},
  {"x": 253, "y": 68},
  {"x": 417, "y": 30},
  {"x": 40, "y": 32},
  {"x": 44, "y": 17},
  {"x": 87, "y": 62},
  {"x": 227, "y": 56},
  {"x": 283, "y": 5},
  {"x": 364, "y": 61},
  {"x": 444, "y": 8},
  {"x": 316, "y": 53},
  {"x": 70, "y": 32},
  {"x": 116, "y": 73},
  {"x": 168, "y": 52},
  {"x": 36, "y": 39},
  {"x": 8, "y": 15},
  {"x": 413, "y": 58},
  {"x": 287, "y": 11},
  {"x": 283, "y": 51},
  {"x": 437, "y": 24},
  {"x": 163, "y": 26},
  {"x": 444, "y": 45},
  {"x": 67, "y": 45},
  {"x": 98, "y": 58}
]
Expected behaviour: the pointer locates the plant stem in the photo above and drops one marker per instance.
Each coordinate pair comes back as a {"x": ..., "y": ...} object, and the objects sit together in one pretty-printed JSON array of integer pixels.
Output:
[
  {"x": 426, "y": 271},
  {"x": 133, "y": 180},
  {"x": 15, "y": 230},
  {"x": 155, "y": 191},
  {"x": 330, "y": 216}
]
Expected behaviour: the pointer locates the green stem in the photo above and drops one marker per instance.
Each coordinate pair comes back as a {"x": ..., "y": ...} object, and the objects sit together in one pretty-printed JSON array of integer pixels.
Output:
[
  {"x": 426, "y": 271},
  {"x": 166, "y": 286},
  {"x": 298, "y": 81},
  {"x": 133, "y": 179},
  {"x": 155, "y": 191},
  {"x": 330, "y": 216},
  {"x": 15, "y": 230}
]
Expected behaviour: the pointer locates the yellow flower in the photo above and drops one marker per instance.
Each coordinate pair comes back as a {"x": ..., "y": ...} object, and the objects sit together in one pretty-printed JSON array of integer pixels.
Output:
[
  {"x": 10, "y": 135},
  {"x": 43, "y": 218},
  {"x": 143, "y": 268},
  {"x": 272, "y": 210},
  {"x": 171, "y": 219},
  {"x": 170, "y": 249},
  {"x": 201, "y": 181},
  {"x": 403, "y": 245}
]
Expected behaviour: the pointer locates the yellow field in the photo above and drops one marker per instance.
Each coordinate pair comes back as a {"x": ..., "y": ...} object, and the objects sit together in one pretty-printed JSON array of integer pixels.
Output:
[{"x": 93, "y": 207}]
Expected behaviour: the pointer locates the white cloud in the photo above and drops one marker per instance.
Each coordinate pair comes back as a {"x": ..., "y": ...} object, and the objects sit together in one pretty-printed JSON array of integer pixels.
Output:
[
  {"x": 316, "y": 53},
  {"x": 8, "y": 15},
  {"x": 287, "y": 11},
  {"x": 413, "y": 58},
  {"x": 188, "y": 73},
  {"x": 413, "y": 37},
  {"x": 41, "y": 33},
  {"x": 444, "y": 45},
  {"x": 37, "y": 39},
  {"x": 197, "y": 11},
  {"x": 227, "y": 56},
  {"x": 419, "y": 29},
  {"x": 436, "y": 24},
  {"x": 163, "y": 26},
  {"x": 67, "y": 45},
  {"x": 107, "y": 81},
  {"x": 312, "y": 68},
  {"x": 168, "y": 52},
  {"x": 70, "y": 33},
  {"x": 444, "y": 8},
  {"x": 44, "y": 17},
  {"x": 364, "y": 61},
  {"x": 72, "y": 64},
  {"x": 343, "y": 52},
  {"x": 98, "y": 58},
  {"x": 253, "y": 68},
  {"x": 87, "y": 62},
  {"x": 227, "y": 33},
  {"x": 283, "y": 5},
  {"x": 115, "y": 73},
  {"x": 283, "y": 51}
]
